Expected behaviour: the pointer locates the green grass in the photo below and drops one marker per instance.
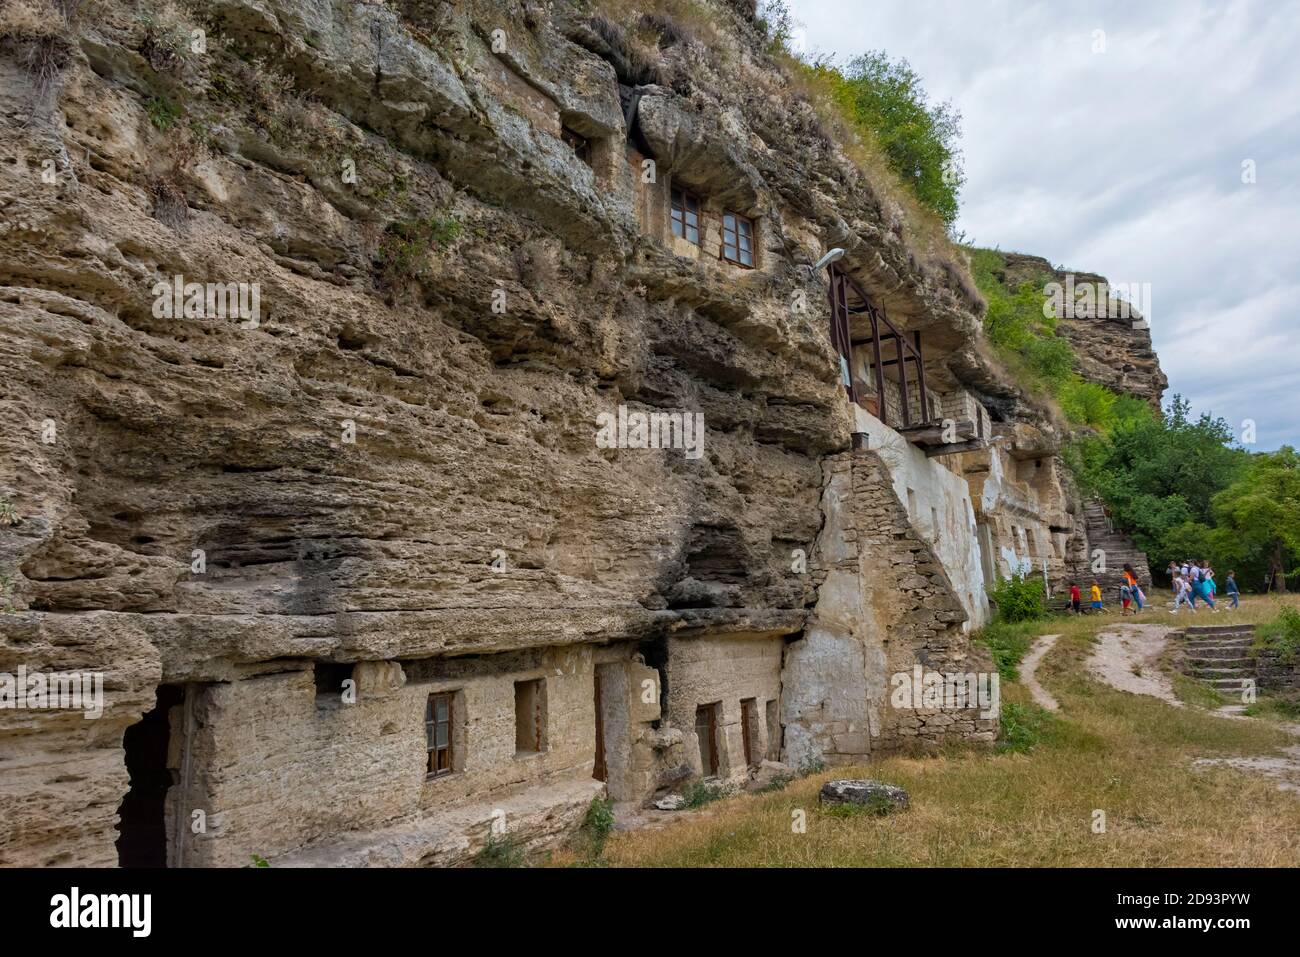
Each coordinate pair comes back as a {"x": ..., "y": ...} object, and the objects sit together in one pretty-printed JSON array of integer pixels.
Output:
[{"x": 1008, "y": 642}]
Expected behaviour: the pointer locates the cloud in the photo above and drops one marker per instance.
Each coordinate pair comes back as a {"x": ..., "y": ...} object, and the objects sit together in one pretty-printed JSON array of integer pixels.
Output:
[{"x": 1129, "y": 162}]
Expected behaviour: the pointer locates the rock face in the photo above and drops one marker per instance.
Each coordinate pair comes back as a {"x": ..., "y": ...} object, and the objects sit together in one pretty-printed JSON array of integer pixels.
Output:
[
  {"x": 423, "y": 419},
  {"x": 1111, "y": 336}
]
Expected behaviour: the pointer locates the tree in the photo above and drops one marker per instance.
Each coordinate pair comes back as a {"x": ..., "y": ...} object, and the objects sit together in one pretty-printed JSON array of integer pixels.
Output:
[
  {"x": 1159, "y": 476},
  {"x": 1259, "y": 514},
  {"x": 919, "y": 139}
]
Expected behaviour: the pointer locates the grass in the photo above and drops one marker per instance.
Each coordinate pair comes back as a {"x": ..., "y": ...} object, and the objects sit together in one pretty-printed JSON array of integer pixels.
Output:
[{"x": 1128, "y": 755}]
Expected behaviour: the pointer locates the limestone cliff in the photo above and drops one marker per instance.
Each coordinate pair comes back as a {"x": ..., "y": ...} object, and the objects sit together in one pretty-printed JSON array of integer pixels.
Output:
[{"x": 309, "y": 312}]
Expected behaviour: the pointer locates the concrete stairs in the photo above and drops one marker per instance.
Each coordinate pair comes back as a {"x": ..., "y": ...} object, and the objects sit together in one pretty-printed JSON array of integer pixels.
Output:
[{"x": 1221, "y": 657}]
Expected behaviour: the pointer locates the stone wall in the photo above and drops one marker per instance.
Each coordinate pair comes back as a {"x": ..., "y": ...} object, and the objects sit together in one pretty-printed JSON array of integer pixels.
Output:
[{"x": 885, "y": 605}]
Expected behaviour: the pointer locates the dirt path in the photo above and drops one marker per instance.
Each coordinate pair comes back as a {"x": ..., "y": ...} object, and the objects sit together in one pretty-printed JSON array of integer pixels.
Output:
[
  {"x": 1125, "y": 658},
  {"x": 1029, "y": 667}
]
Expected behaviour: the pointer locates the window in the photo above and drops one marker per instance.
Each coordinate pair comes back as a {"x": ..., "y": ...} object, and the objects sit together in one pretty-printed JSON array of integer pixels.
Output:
[
  {"x": 580, "y": 145},
  {"x": 437, "y": 733},
  {"x": 530, "y": 716},
  {"x": 686, "y": 216},
  {"x": 330, "y": 678},
  {"x": 738, "y": 240}
]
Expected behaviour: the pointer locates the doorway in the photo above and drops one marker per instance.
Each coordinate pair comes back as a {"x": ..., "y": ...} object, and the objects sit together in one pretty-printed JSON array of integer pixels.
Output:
[
  {"x": 600, "y": 772},
  {"x": 142, "y": 829},
  {"x": 706, "y": 729}
]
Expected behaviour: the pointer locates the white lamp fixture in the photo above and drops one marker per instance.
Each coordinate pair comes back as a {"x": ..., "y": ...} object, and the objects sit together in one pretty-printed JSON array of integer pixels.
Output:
[{"x": 831, "y": 256}]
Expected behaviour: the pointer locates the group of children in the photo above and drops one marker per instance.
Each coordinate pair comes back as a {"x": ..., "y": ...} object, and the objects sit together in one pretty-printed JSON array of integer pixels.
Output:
[
  {"x": 1191, "y": 580},
  {"x": 1130, "y": 593}
]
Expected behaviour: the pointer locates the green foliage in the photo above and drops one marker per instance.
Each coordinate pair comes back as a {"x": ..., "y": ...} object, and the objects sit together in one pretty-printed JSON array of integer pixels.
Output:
[
  {"x": 1007, "y": 642},
  {"x": 163, "y": 113},
  {"x": 885, "y": 99},
  {"x": 596, "y": 827},
  {"x": 700, "y": 793},
  {"x": 1018, "y": 598},
  {"x": 1024, "y": 727},
  {"x": 8, "y": 515},
  {"x": 1159, "y": 476},
  {"x": 257, "y": 860},
  {"x": 1021, "y": 330},
  {"x": 1257, "y": 517},
  {"x": 1282, "y": 634},
  {"x": 500, "y": 852},
  {"x": 404, "y": 246}
]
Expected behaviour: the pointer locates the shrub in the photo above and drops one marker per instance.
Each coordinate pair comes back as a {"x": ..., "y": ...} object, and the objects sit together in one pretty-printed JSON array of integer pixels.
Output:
[
  {"x": 500, "y": 852},
  {"x": 595, "y": 828},
  {"x": 1018, "y": 598},
  {"x": 405, "y": 245},
  {"x": 1282, "y": 634},
  {"x": 700, "y": 793}
]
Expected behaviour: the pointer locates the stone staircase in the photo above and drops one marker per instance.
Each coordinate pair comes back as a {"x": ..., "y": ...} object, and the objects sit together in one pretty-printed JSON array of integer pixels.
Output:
[
  {"x": 1119, "y": 549},
  {"x": 1220, "y": 656}
]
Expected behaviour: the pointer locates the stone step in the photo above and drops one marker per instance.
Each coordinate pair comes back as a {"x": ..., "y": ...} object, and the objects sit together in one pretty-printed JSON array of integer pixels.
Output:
[
  {"x": 1221, "y": 641},
  {"x": 1226, "y": 684},
  {"x": 1211, "y": 631},
  {"x": 1209, "y": 661},
  {"x": 1207, "y": 650},
  {"x": 1223, "y": 672}
]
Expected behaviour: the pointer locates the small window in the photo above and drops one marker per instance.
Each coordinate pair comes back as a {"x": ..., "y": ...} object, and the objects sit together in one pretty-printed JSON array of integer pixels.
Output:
[
  {"x": 686, "y": 216},
  {"x": 437, "y": 732},
  {"x": 580, "y": 145},
  {"x": 330, "y": 678},
  {"x": 738, "y": 240},
  {"x": 530, "y": 716}
]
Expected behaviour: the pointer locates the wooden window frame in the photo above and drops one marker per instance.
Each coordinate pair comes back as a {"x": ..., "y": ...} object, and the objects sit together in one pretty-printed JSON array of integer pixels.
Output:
[
  {"x": 431, "y": 722},
  {"x": 678, "y": 212},
  {"x": 580, "y": 145},
  {"x": 748, "y": 232}
]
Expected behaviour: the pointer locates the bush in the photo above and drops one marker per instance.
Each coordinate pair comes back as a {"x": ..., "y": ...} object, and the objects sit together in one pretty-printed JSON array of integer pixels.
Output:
[
  {"x": 500, "y": 852},
  {"x": 700, "y": 793},
  {"x": 404, "y": 245},
  {"x": 1018, "y": 598},
  {"x": 595, "y": 828},
  {"x": 1282, "y": 634}
]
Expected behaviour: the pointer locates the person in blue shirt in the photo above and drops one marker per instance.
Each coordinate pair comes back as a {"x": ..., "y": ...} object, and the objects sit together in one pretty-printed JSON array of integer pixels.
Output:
[{"x": 1230, "y": 586}]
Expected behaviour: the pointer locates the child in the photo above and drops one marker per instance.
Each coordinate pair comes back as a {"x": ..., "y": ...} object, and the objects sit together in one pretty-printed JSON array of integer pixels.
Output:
[
  {"x": 1130, "y": 578},
  {"x": 1182, "y": 593},
  {"x": 1230, "y": 586},
  {"x": 1096, "y": 597},
  {"x": 1076, "y": 599},
  {"x": 1125, "y": 599}
]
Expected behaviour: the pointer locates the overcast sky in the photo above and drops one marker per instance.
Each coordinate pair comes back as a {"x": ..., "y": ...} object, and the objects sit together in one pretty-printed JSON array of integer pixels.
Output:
[{"x": 1128, "y": 162}]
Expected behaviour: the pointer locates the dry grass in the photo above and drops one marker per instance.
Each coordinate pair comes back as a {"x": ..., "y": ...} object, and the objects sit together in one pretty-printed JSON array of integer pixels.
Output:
[{"x": 1127, "y": 755}]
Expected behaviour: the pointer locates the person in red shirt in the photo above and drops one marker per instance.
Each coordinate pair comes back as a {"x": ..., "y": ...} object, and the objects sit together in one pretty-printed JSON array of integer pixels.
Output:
[{"x": 1075, "y": 598}]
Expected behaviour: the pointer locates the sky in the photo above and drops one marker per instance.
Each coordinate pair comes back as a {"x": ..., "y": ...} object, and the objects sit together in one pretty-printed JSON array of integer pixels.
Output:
[{"x": 1123, "y": 152}]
